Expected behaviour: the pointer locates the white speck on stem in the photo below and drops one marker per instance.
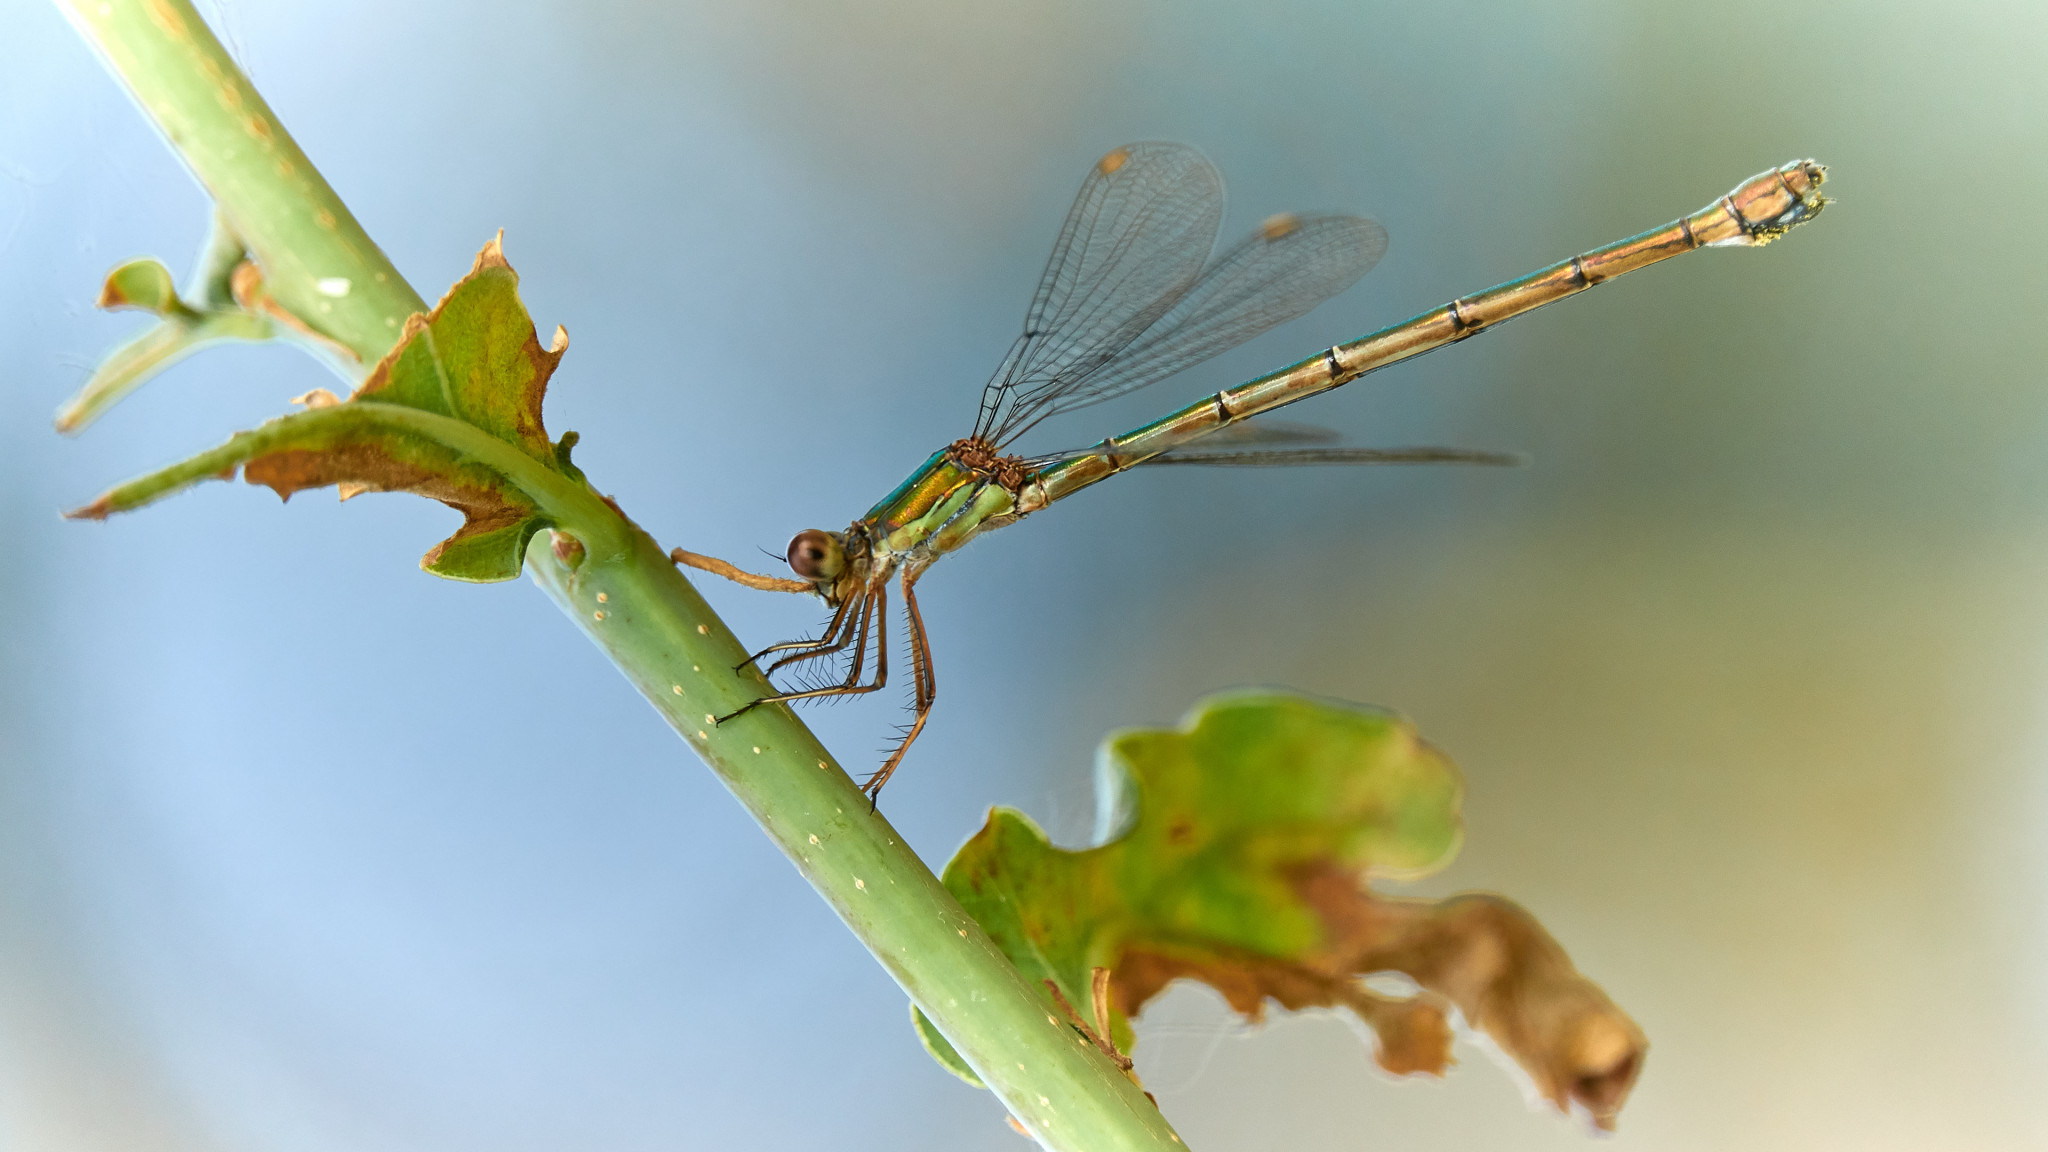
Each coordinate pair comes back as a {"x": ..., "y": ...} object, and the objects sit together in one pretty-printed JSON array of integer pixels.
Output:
[
  {"x": 757, "y": 749},
  {"x": 597, "y": 615},
  {"x": 710, "y": 719},
  {"x": 814, "y": 837},
  {"x": 335, "y": 286},
  {"x": 703, "y": 631},
  {"x": 602, "y": 598},
  {"x": 676, "y": 688},
  {"x": 860, "y": 883}
]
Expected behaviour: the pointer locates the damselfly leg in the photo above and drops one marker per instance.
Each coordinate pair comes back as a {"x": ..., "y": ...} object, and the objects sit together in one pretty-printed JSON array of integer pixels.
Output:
[
  {"x": 823, "y": 645},
  {"x": 874, "y": 617},
  {"x": 924, "y": 686}
]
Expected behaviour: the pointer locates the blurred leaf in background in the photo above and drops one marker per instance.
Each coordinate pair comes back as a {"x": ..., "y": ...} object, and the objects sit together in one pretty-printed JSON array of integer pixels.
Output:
[{"x": 1238, "y": 853}]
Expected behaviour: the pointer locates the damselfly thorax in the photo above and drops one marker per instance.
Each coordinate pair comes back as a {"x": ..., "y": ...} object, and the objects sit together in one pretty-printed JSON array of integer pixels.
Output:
[{"x": 1131, "y": 296}]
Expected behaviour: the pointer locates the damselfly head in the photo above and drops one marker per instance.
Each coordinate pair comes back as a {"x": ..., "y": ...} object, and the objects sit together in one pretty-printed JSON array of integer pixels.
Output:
[{"x": 816, "y": 555}]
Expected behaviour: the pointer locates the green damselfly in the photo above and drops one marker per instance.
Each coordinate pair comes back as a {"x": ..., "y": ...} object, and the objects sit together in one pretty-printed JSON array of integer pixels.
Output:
[{"x": 1131, "y": 296}]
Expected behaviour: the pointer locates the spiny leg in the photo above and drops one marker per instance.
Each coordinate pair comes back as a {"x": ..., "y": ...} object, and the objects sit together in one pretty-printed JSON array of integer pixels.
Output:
[
  {"x": 875, "y": 613},
  {"x": 924, "y": 686},
  {"x": 852, "y": 635},
  {"x": 823, "y": 645},
  {"x": 870, "y": 612},
  {"x": 815, "y": 654}
]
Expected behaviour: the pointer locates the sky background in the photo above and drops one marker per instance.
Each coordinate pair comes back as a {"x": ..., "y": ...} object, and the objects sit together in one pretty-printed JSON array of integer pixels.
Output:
[{"x": 302, "y": 850}]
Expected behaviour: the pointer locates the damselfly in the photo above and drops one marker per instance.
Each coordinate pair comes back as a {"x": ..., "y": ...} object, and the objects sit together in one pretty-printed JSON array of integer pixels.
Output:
[{"x": 1130, "y": 297}]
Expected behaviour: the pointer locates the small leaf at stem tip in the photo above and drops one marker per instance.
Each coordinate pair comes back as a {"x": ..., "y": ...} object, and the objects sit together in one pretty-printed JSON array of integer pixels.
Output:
[
  {"x": 143, "y": 284},
  {"x": 473, "y": 364},
  {"x": 1240, "y": 849}
]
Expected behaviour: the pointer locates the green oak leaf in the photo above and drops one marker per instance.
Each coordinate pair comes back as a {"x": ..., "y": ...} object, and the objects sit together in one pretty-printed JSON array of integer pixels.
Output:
[
  {"x": 1237, "y": 853},
  {"x": 452, "y": 412}
]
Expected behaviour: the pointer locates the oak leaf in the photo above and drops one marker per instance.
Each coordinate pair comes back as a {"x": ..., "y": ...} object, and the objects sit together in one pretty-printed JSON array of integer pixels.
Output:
[
  {"x": 452, "y": 412},
  {"x": 1238, "y": 853}
]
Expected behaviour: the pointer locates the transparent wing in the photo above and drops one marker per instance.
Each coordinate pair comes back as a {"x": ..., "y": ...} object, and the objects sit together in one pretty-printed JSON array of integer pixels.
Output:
[
  {"x": 1261, "y": 442},
  {"x": 1253, "y": 433},
  {"x": 1132, "y": 246},
  {"x": 1287, "y": 267},
  {"x": 1283, "y": 457}
]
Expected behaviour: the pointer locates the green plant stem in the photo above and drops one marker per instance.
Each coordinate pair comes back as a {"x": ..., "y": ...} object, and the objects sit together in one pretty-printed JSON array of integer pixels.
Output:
[
  {"x": 658, "y": 630},
  {"x": 212, "y": 285},
  {"x": 156, "y": 348},
  {"x": 317, "y": 261},
  {"x": 649, "y": 619}
]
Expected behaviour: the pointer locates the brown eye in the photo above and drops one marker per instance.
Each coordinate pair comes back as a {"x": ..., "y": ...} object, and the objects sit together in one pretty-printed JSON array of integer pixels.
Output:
[{"x": 815, "y": 555}]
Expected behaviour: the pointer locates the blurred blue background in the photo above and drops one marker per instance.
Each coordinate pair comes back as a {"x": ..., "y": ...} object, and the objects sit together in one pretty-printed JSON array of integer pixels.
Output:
[{"x": 301, "y": 849}]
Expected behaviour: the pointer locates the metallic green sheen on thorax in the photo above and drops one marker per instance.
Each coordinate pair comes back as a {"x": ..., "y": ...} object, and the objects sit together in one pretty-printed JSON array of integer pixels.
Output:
[{"x": 939, "y": 508}]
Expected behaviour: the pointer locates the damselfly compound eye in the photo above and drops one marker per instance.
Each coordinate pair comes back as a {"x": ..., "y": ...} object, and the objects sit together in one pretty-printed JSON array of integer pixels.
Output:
[{"x": 816, "y": 555}]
